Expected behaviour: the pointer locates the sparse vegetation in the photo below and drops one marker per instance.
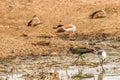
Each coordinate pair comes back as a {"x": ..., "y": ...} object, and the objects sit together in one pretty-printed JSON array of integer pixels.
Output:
[{"x": 82, "y": 75}]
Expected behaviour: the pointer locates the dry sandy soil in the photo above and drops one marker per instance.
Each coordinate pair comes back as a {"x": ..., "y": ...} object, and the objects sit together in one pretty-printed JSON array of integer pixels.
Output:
[{"x": 16, "y": 39}]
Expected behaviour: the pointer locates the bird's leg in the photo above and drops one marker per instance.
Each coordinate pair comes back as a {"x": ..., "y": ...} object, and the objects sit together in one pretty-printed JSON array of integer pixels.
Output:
[
  {"x": 82, "y": 58},
  {"x": 102, "y": 61},
  {"x": 76, "y": 59},
  {"x": 102, "y": 65},
  {"x": 103, "y": 70}
]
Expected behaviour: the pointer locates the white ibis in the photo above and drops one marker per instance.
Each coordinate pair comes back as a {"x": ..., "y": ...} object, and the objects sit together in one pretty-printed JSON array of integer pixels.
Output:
[{"x": 102, "y": 55}]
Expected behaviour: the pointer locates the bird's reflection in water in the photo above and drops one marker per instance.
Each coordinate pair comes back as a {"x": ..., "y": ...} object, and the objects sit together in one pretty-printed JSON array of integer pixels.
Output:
[{"x": 101, "y": 74}]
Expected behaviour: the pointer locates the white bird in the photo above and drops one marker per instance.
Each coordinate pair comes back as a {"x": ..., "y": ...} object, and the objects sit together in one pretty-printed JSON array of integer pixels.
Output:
[{"x": 102, "y": 55}]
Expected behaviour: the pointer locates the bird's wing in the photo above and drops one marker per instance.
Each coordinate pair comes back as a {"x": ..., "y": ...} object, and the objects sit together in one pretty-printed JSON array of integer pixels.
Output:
[{"x": 82, "y": 50}]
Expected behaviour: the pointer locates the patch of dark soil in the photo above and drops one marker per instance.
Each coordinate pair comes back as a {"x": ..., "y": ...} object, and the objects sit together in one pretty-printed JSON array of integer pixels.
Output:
[
  {"x": 78, "y": 37},
  {"x": 46, "y": 36},
  {"x": 118, "y": 38},
  {"x": 41, "y": 43},
  {"x": 24, "y": 35}
]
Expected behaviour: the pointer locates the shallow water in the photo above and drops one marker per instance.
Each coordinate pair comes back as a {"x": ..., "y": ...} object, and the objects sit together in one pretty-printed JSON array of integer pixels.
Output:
[
  {"x": 109, "y": 74},
  {"x": 63, "y": 67}
]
